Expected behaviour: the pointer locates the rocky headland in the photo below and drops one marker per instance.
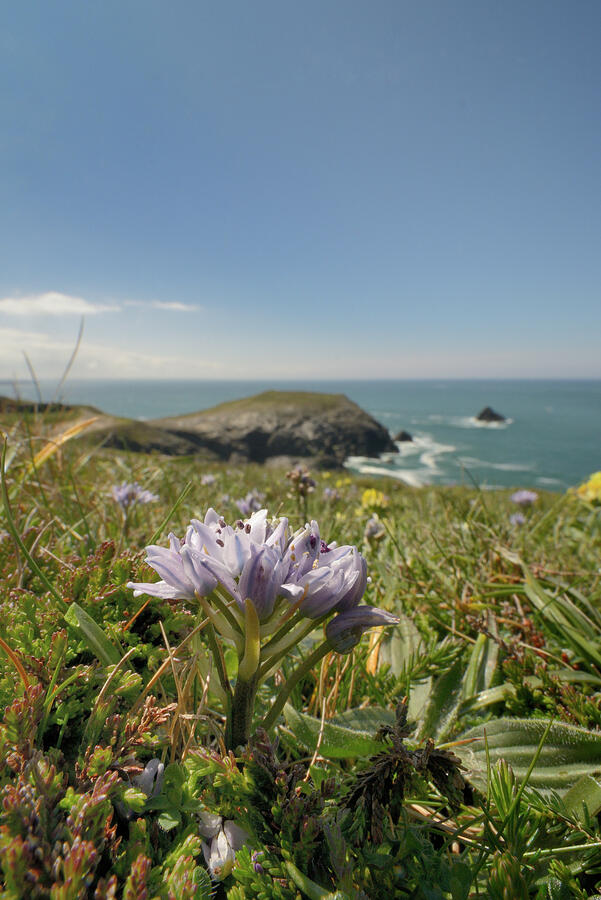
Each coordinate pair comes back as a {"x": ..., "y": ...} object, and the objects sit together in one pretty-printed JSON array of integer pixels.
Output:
[
  {"x": 283, "y": 425},
  {"x": 273, "y": 427}
]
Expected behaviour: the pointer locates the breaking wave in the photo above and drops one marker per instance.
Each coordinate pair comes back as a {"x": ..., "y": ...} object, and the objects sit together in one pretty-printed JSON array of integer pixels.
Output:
[{"x": 416, "y": 463}]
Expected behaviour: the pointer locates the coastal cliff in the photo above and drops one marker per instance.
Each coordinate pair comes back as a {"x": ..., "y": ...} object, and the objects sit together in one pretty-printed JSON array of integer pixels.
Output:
[
  {"x": 323, "y": 428},
  {"x": 275, "y": 426}
]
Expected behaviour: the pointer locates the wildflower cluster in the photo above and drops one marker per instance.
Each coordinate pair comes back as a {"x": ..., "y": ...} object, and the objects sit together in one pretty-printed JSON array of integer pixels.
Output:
[
  {"x": 126, "y": 495},
  {"x": 591, "y": 490},
  {"x": 251, "y": 503},
  {"x": 372, "y": 499},
  {"x": 301, "y": 481},
  {"x": 264, "y": 589},
  {"x": 524, "y": 497}
]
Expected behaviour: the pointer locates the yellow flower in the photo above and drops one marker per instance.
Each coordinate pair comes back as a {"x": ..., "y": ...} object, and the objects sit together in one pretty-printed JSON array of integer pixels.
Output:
[
  {"x": 591, "y": 490},
  {"x": 373, "y": 499},
  {"x": 343, "y": 482}
]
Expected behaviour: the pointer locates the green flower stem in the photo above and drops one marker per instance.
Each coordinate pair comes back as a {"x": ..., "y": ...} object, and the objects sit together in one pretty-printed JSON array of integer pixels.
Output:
[
  {"x": 239, "y": 721},
  {"x": 204, "y": 670},
  {"x": 220, "y": 623},
  {"x": 279, "y": 632},
  {"x": 278, "y": 650},
  {"x": 228, "y": 608},
  {"x": 249, "y": 664},
  {"x": 299, "y": 673},
  {"x": 219, "y": 660}
]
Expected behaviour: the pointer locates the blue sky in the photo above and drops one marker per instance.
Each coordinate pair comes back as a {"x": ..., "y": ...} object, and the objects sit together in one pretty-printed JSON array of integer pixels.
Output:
[{"x": 317, "y": 189}]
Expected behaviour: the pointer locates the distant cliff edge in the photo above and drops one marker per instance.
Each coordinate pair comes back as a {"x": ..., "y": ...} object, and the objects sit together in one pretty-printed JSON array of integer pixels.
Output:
[{"x": 286, "y": 426}]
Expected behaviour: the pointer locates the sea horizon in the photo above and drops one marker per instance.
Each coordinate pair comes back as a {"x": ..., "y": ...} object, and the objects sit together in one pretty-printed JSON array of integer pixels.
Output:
[{"x": 550, "y": 438}]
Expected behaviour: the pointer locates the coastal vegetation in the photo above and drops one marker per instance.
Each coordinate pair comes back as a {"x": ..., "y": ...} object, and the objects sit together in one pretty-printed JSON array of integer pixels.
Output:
[{"x": 453, "y": 754}]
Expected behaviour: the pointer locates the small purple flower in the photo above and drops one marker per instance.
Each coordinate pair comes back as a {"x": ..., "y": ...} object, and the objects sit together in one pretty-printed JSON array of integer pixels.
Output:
[
  {"x": 251, "y": 503},
  {"x": 331, "y": 494},
  {"x": 255, "y": 861},
  {"x": 208, "y": 479},
  {"x": 127, "y": 494},
  {"x": 517, "y": 519},
  {"x": 524, "y": 497},
  {"x": 374, "y": 530},
  {"x": 345, "y": 630}
]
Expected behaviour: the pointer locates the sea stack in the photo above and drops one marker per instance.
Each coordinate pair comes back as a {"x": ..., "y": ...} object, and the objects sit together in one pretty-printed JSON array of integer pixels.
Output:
[
  {"x": 489, "y": 415},
  {"x": 403, "y": 436}
]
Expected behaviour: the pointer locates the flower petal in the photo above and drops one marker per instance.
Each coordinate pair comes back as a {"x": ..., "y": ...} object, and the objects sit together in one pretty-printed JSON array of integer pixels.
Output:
[{"x": 344, "y": 631}]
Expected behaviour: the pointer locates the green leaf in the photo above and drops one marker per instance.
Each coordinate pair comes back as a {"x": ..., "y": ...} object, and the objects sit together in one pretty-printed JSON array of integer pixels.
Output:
[
  {"x": 399, "y": 647},
  {"x": 461, "y": 881},
  {"x": 310, "y": 888},
  {"x": 585, "y": 794},
  {"x": 443, "y": 707},
  {"x": 368, "y": 718},
  {"x": 481, "y": 665},
  {"x": 135, "y": 799},
  {"x": 170, "y": 819},
  {"x": 568, "y": 754},
  {"x": 338, "y": 741},
  {"x": 486, "y": 698},
  {"x": 573, "y": 627},
  {"x": 92, "y": 634}
]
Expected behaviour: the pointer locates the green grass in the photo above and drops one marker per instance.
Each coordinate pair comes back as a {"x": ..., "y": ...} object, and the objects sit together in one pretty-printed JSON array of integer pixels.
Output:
[
  {"x": 499, "y": 641},
  {"x": 276, "y": 400}
]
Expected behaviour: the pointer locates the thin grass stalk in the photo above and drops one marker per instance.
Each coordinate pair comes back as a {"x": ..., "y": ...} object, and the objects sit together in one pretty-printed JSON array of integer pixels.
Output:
[{"x": 17, "y": 537}]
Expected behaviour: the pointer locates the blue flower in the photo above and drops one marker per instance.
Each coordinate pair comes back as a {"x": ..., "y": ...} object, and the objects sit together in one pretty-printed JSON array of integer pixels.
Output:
[
  {"x": 524, "y": 497},
  {"x": 259, "y": 560},
  {"x": 127, "y": 494},
  {"x": 345, "y": 630}
]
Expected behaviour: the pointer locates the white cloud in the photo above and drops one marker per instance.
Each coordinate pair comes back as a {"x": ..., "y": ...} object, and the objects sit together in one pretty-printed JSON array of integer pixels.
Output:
[
  {"x": 173, "y": 305},
  {"x": 52, "y": 303},
  {"x": 49, "y": 355}
]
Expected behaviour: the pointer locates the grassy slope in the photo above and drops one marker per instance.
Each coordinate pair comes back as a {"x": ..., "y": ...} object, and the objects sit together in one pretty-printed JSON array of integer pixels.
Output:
[
  {"x": 448, "y": 560},
  {"x": 306, "y": 401}
]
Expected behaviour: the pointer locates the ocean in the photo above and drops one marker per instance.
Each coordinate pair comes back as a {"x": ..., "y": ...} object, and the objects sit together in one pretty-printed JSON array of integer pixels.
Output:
[{"x": 551, "y": 439}]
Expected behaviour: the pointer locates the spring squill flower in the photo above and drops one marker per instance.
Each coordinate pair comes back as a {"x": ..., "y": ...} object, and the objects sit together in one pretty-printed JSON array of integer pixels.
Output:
[
  {"x": 259, "y": 561},
  {"x": 127, "y": 494},
  {"x": 524, "y": 497},
  {"x": 345, "y": 630},
  {"x": 264, "y": 589},
  {"x": 251, "y": 503}
]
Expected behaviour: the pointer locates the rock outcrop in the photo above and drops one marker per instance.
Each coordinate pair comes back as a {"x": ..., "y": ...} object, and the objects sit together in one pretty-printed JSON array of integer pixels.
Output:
[
  {"x": 278, "y": 426},
  {"x": 403, "y": 436},
  {"x": 489, "y": 415},
  {"x": 322, "y": 428}
]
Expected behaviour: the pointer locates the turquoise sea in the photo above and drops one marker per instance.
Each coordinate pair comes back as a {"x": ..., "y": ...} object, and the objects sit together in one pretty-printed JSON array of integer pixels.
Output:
[{"x": 551, "y": 439}]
